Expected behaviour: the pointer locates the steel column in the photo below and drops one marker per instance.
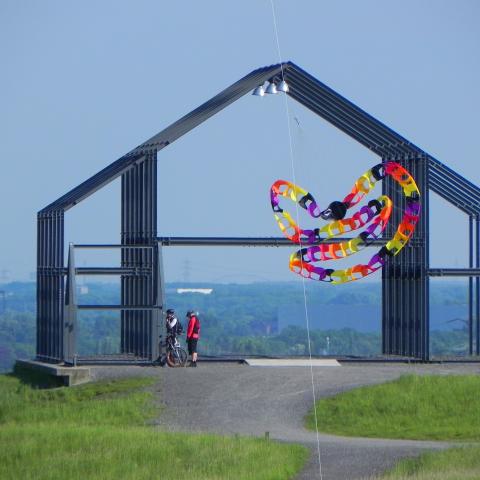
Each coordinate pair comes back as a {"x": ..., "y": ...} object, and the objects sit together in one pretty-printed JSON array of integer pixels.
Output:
[
  {"x": 477, "y": 282},
  {"x": 139, "y": 198},
  {"x": 70, "y": 321},
  {"x": 158, "y": 325},
  {"x": 405, "y": 315},
  {"x": 470, "y": 286},
  {"x": 50, "y": 286}
]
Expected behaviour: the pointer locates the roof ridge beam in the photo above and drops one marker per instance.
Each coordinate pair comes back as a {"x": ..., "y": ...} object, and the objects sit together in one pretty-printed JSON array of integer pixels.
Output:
[
  {"x": 353, "y": 129},
  {"x": 460, "y": 192},
  {"x": 450, "y": 196},
  {"x": 350, "y": 131},
  {"x": 94, "y": 183},
  {"x": 165, "y": 137},
  {"x": 436, "y": 165},
  {"x": 211, "y": 107},
  {"x": 344, "y": 117},
  {"x": 362, "y": 115}
]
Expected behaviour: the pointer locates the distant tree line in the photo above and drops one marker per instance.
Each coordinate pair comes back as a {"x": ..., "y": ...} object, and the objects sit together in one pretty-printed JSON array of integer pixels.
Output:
[{"x": 236, "y": 320}]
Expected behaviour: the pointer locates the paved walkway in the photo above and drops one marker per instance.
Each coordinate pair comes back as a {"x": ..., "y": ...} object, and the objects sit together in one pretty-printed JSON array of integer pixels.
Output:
[{"x": 233, "y": 398}]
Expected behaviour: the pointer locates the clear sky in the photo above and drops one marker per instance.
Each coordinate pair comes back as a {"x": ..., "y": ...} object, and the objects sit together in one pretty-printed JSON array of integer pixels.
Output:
[{"x": 84, "y": 82}]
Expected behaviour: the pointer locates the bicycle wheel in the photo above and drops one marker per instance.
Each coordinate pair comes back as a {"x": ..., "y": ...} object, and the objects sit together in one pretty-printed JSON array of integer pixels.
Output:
[
  {"x": 183, "y": 356},
  {"x": 177, "y": 357}
]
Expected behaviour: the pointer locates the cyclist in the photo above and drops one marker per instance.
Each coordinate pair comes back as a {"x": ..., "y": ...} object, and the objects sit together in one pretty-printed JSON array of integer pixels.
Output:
[
  {"x": 193, "y": 334},
  {"x": 172, "y": 325}
]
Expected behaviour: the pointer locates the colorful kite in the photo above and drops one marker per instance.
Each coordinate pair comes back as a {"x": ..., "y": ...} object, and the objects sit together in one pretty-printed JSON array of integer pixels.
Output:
[{"x": 374, "y": 216}]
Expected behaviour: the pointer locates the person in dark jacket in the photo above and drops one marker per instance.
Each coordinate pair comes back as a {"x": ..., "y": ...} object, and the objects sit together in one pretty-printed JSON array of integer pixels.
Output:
[
  {"x": 193, "y": 334},
  {"x": 172, "y": 324}
]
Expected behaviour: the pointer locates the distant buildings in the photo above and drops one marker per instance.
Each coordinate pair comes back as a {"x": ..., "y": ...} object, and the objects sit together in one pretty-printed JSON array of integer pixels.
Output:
[{"x": 203, "y": 291}]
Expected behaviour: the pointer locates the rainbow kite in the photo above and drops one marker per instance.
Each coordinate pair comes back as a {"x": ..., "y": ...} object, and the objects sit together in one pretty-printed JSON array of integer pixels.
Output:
[{"x": 374, "y": 216}]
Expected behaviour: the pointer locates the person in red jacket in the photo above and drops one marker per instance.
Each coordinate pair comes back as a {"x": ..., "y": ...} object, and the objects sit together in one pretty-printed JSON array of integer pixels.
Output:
[{"x": 193, "y": 334}]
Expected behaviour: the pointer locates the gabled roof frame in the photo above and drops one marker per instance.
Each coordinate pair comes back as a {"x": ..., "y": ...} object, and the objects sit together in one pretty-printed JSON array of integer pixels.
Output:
[
  {"x": 317, "y": 97},
  {"x": 404, "y": 280}
]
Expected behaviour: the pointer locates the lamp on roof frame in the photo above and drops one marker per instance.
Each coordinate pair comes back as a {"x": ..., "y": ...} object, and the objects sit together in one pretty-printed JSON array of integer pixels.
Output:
[
  {"x": 271, "y": 89},
  {"x": 259, "y": 91},
  {"x": 283, "y": 87}
]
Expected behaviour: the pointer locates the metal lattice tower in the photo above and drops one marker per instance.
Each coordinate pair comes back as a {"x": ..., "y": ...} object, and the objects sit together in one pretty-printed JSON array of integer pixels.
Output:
[{"x": 405, "y": 278}]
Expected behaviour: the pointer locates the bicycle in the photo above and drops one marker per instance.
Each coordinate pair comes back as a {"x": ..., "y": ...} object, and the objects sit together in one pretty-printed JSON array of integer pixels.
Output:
[{"x": 176, "y": 356}]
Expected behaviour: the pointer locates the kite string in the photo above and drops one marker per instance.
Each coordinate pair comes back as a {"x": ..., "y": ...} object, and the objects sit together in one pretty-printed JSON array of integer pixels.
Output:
[{"x": 287, "y": 110}]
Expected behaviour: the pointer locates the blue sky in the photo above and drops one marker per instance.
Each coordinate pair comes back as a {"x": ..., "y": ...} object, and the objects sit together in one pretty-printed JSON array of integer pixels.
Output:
[{"x": 85, "y": 82}]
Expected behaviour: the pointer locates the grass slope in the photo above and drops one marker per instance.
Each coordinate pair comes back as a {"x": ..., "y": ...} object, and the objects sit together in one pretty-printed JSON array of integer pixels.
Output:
[
  {"x": 99, "y": 431},
  {"x": 413, "y": 407},
  {"x": 452, "y": 464}
]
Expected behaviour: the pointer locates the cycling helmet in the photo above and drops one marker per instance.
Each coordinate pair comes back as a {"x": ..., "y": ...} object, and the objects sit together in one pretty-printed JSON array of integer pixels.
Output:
[
  {"x": 190, "y": 313},
  {"x": 170, "y": 311}
]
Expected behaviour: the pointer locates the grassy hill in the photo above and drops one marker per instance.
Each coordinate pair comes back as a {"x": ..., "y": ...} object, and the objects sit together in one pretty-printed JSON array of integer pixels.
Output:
[
  {"x": 430, "y": 407},
  {"x": 101, "y": 431}
]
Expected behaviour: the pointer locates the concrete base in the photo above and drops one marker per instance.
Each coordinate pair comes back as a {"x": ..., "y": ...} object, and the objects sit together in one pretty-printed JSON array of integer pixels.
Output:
[
  {"x": 69, "y": 375},
  {"x": 292, "y": 362}
]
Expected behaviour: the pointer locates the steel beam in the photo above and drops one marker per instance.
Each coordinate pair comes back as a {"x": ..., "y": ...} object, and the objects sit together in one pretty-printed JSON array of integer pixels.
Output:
[
  {"x": 95, "y": 183},
  {"x": 243, "y": 241},
  {"x": 109, "y": 246},
  {"x": 453, "y": 195},
  {"x": 113, "y": 271},
  {"x": 352, "y": 116},
  {"x": 462, "y": 187},
  {"x": 454, "y": 272},
  {"x": 235, "y": 91},
  {"x": 117, "y": 307}
]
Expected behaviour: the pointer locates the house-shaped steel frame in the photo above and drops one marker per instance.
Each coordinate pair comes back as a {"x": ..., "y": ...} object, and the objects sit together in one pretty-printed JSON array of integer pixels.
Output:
[{"x": 405, "y": 279}]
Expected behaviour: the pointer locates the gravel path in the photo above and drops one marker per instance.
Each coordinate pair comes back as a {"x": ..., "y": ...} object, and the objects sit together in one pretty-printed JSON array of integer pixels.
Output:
[{"x": 232, "y": 398}]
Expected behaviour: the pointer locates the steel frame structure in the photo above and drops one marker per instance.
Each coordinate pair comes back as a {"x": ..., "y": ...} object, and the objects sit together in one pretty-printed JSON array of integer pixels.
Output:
[{"x": 405, "y": 279}]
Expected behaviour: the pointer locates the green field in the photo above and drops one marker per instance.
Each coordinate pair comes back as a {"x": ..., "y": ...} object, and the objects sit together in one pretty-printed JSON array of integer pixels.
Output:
[
  {"x": 430, "y": 407},
  {"x": 100, "y": 431},
  {"x": 413, "y": 407},
  {"x": 452, "y": 464}
]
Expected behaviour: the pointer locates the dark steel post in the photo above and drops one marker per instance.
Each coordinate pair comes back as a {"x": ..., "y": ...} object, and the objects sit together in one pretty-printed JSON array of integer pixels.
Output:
[
  {"x": 40, "y": 284},
  {"x": 139, "y": 227},
  {"x": 405, "y": 310},
  {"x": 477, "y": 282},
  {"x": 158, "y": 331},
  {"x": 70, "y": 322},
  {"x": 425, "y": 211},
  {"x": 50, "y": 286},
  {"x": 470, "y": 286}
]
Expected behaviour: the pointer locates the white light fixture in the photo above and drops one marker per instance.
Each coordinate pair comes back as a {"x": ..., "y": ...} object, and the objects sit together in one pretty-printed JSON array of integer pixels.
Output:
[
  {"x": 259, "y": 91},
  {"x": 283, "y": 87},
  {"x": 271, "y": 89}
]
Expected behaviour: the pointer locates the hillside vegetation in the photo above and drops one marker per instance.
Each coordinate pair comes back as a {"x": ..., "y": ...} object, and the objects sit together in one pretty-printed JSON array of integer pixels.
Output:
[{"x": 247, "y": 319}]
